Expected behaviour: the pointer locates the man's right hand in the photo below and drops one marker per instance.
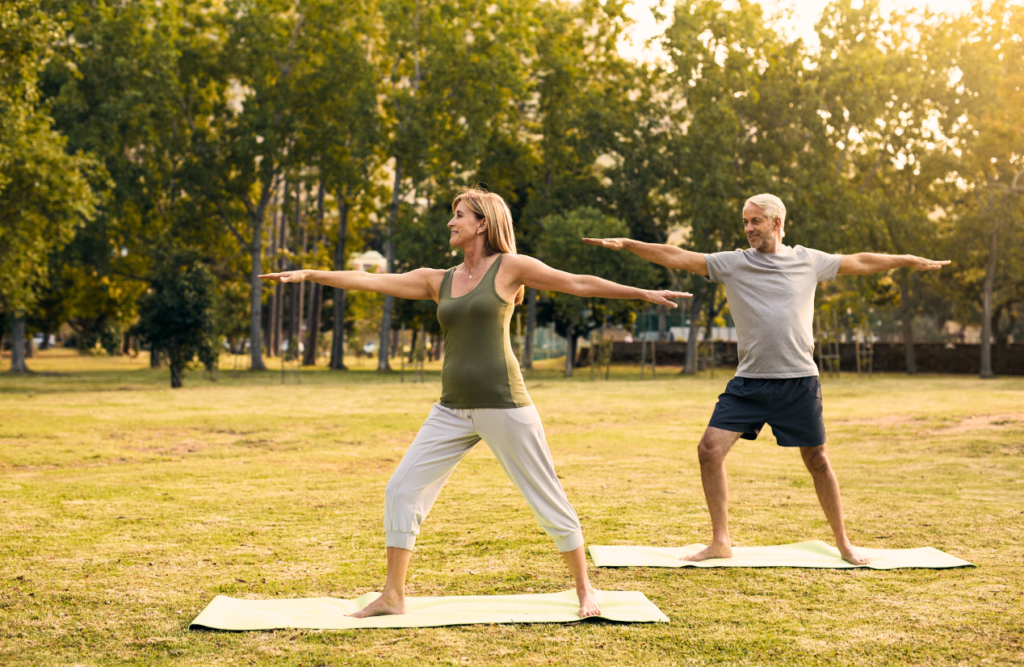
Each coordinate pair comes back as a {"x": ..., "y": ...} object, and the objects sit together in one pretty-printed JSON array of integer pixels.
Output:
[
  {"x": 611, "y": 244},
  {"x": 924, "y": 264}
]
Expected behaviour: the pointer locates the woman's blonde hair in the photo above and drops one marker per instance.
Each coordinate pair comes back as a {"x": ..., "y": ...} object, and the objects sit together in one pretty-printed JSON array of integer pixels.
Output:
[{"x": 501, "y": 237}]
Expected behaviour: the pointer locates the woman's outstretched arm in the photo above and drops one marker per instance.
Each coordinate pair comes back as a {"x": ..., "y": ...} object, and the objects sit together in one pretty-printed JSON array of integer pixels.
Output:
[
  {"x": 535, "y": 273},
  {"x": 418, "y": 284}
]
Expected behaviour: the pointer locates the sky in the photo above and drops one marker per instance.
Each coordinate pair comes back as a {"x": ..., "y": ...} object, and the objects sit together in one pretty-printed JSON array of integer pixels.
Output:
[{"x": 805, "y": 14}]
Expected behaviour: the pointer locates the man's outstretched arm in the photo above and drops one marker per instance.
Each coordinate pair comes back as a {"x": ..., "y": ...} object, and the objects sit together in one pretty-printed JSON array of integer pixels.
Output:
[
  {"x": 864, "y": 263},
  {"x": 659, "y": 253}
]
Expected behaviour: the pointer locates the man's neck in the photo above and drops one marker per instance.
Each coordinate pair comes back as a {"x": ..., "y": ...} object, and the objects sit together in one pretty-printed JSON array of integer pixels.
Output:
[{"x": 773, "y": 246}]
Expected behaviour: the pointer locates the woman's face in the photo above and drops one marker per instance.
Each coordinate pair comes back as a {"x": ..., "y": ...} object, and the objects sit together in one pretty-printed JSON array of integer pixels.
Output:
[{"x": 465, "y": 227}]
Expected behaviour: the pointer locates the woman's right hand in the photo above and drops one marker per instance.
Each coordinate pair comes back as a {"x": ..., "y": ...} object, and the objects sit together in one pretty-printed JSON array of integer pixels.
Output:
[
  {"x": 662, "y": 297},
  {"x": 285, "y": 276}
]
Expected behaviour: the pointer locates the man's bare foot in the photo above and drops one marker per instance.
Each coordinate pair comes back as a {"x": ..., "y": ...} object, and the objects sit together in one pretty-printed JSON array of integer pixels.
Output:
[
  {"x": 716, "y": 550},
  {"x": 852, "y": 557},
  {"x": 588, "y": 603},
  {"x": 382, "y": 606}
]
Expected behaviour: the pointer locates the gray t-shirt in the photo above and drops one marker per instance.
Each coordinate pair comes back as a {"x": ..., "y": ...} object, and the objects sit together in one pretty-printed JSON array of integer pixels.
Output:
[{"x": 771, "y": 296}]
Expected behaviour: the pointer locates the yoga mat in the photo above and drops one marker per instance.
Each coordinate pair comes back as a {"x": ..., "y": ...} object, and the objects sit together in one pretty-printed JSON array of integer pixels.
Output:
[
  {"x": 804, "y": 554},
  {"x": 225, "y": 613}
]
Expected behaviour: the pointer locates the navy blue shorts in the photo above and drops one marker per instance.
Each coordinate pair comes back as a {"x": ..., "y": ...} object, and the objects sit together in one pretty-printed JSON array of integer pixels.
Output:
[{"x": 791, "y": 406}]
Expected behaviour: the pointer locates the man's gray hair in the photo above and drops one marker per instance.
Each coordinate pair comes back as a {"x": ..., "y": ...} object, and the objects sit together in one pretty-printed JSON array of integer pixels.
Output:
[{"x": 772, "y": 207}]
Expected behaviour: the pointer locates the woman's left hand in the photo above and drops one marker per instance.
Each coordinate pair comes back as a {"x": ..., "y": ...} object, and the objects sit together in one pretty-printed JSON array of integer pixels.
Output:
[
  {"x": 662, "y": 297},
  {"x": 285, "y": 276}
]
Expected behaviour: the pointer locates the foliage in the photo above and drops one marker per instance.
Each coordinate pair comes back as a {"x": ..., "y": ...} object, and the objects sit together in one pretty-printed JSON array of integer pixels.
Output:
[
  {"x": 45, "y": 192},
  {"x": 900, "y": 134},
  {"x": 561, "y": 247},
  {"x": 177, "y": 314}
]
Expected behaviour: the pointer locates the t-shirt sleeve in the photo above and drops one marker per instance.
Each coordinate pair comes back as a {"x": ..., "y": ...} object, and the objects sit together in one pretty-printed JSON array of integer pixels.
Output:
[
  {"x": 720, "y": 265},
  {"x": 826, "y": 265}
]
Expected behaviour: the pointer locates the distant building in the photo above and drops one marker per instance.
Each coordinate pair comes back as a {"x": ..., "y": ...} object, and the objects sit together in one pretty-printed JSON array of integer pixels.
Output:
[{"x": 370, "y": 261}]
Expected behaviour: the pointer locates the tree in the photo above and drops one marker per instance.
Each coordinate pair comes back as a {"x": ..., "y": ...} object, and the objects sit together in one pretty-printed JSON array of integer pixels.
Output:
[
  {"x": 176, "y": 315},
  {"x": 877, "y": 79},
  {"x": 448, "y": 72},
  {"x": 742, "y": 122},
  {"x": 985, "y": 45},
  {"x": 45, "y": 193},
  {"x": 560, "y": 246}
]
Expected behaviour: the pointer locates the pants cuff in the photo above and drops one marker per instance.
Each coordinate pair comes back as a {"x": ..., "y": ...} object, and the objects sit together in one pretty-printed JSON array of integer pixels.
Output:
[
  {"x": 399, "y": 539},
  {"x": 570, "y": 542}
]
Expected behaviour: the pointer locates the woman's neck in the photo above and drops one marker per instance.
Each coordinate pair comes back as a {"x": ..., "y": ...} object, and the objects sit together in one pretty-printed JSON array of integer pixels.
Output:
[{"x": 474, "y": 257}]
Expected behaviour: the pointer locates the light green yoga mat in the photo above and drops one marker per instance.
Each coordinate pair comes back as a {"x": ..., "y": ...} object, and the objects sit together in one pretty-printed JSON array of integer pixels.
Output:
[
  {"x": 226, "y": 613},
  {"x": 804, "y": 554}
]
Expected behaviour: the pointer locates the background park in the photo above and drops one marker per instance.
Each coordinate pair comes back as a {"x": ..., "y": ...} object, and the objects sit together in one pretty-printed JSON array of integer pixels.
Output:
[{"x": 172, "y": 429}]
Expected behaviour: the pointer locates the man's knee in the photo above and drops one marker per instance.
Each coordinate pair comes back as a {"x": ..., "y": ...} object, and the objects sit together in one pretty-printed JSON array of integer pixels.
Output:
[
  {"x": 816, "y": 460},
  {"x": 710, "y": 450}
]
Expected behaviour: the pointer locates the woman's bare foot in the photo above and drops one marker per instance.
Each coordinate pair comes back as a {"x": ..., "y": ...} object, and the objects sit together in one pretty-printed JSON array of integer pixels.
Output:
[
  {"x": 716, "y": 550},
  {"x": 588, "y": 603},
  {"x": 851, "y": 556},
  {"x": 385, "y": 605}
]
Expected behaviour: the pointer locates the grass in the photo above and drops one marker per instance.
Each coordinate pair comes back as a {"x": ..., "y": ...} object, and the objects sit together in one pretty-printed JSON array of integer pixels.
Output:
[{"x": 127, "y": 506}]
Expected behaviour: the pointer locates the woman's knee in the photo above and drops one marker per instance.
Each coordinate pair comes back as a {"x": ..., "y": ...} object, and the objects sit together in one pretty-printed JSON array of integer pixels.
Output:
[{"x": 395, "y": 495}]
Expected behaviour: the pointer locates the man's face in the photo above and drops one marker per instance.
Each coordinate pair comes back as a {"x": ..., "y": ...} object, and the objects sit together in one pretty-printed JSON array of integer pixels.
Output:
[{"x": 760, "y": 231}]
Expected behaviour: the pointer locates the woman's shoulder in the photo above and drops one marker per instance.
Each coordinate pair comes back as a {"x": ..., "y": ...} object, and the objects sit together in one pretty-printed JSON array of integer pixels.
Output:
[{"x": 515, "y": 262}]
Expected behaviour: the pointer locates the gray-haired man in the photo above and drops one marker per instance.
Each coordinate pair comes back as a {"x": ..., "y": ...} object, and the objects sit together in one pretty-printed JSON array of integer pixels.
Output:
[{"x": 770, "y": 288}]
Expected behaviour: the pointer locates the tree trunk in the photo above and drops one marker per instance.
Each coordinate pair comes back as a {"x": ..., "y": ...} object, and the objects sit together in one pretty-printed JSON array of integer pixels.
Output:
[
  {"x": 313, "y": 332},
  {"x": 389, "y": 256},
  {"x": 412, "y": 346},
  {"x": 294, "y": 315},
  {"x": 531, "y": 327},
  {"x": 275, "y": 292},
  {"x": 18, "y": 346},
  {"x": 709, "y": 330},
  {"x": 256, "y": 295},
  {"x": 316, "y": 290},
  {"x": 908, "y": 325},
  {"x": 175, "y": 376},
  {"x": 570, "y": 350},
  {"x": 154, "y": 358},
  {"x": 662, "y": 321},
  {"x": 690, "y": 366},
  {"x": 298, "y": 323},
  {"x": 338, "y": 341},
  {"x": 986, "y": 306},
  {"x": 282, "y": 244}
]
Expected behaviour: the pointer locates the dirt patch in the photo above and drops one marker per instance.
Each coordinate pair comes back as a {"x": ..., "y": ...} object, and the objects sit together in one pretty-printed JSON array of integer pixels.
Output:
[
  {"x": 183, "y": 447},
  {"x": 982, "y": 422},
  {"x": 885, "y": 420}
]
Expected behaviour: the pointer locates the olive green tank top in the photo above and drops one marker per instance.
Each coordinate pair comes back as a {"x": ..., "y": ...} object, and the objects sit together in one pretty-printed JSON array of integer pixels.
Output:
[{"x": 479, "y": 370}]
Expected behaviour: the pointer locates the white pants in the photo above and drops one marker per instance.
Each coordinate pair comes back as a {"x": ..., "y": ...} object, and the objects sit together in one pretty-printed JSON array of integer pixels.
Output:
[{"x": 515, "y": 436}]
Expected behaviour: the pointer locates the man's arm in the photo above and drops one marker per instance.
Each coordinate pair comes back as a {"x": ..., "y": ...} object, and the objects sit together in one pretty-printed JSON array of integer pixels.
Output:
[
  {"x": 659, "y": 253},
  {"x": 864, "y": 263}
]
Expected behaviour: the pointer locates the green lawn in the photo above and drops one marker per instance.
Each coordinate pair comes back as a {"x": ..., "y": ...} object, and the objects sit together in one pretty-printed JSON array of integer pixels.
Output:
[{"x": 127, "y": 506}]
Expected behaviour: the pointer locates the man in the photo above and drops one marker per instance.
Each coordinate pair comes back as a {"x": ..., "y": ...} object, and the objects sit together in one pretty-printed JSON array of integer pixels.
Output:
[{"x": 770, "y": 288}]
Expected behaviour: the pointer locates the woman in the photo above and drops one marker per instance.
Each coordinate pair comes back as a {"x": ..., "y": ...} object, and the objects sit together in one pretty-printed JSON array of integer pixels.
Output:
[{"x": 482, "y": 390}]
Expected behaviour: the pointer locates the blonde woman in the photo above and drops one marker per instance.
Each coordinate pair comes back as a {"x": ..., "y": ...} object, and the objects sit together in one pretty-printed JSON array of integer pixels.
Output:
[{"x": 482, "y": 391}]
